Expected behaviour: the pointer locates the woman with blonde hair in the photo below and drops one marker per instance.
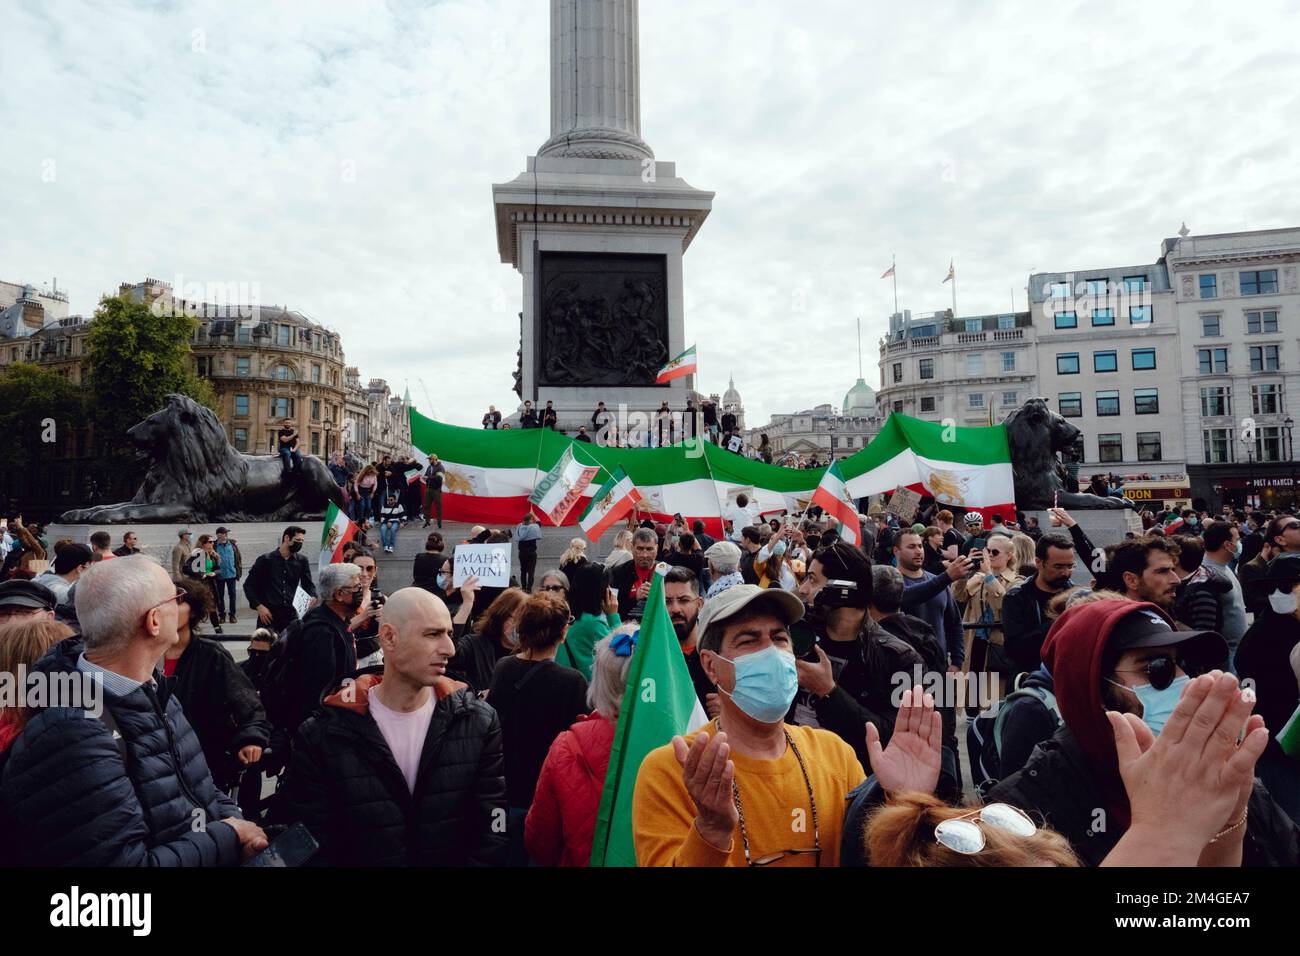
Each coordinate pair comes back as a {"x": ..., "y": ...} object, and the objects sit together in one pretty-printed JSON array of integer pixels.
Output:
[
  {"x": 575, "y": 554},
  {"x": 622, "y": 551},
  {"x": 22, "y": 644},
  {"x": 982, "y": 593},
  {"x": 1023, "y": 545}
]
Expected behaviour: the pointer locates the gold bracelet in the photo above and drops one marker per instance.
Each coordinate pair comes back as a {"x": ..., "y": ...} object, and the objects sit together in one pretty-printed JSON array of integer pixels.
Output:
[{"x": 1236, "y": 826}]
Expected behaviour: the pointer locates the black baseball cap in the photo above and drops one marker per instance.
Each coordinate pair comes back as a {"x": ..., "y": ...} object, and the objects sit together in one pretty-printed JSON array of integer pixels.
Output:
[
  {"x": 223, "y": 531},
  {"x": 1283, "y": 571},
  {"x": 27, "y": 594},
  {"x": 1145, "y": 626}
]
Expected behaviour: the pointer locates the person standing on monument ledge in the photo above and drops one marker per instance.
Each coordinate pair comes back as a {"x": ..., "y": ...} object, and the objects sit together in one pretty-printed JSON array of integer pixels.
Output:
[
  {"x": 492, "y": 418},
  {"x": 528, "y": 418},
  {"x": 549, "y": 417}
]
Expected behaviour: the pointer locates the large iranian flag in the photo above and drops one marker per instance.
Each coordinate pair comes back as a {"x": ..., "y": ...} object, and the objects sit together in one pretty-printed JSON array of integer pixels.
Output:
[
  {"x": 658, "y": 704},
  {"x": 962, "y": 467}
]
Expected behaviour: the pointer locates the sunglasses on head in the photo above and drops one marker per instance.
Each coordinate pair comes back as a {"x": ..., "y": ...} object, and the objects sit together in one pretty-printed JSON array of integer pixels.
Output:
[{"x": 965, "y": 835}]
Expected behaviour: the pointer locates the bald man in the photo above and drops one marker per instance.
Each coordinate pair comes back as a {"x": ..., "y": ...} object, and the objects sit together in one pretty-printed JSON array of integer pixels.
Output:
[
  {"x": 403, "y": 769},
  {"x": 130, "y": 788}
]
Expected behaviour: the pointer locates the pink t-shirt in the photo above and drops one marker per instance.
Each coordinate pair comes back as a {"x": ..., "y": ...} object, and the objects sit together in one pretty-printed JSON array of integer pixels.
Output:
[{"x": 404, "y": 733}]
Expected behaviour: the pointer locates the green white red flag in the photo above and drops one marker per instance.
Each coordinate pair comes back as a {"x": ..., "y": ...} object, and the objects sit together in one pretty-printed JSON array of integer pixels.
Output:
[
  {"x": 609, "y": 504},
  {"x": 339, "y": 529},
  {"x": 832, "y": 496},
  {"x": 684, "y": 364}
]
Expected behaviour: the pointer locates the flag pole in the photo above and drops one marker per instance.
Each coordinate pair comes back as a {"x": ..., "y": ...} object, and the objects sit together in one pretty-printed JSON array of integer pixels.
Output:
[
  {"x": 859, "y": 346},
  {"x": 893, "y": 264},
  {"x": 954, "y": 294}
]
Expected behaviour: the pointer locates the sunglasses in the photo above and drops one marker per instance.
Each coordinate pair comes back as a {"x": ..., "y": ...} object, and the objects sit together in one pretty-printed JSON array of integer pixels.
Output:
[
  {"x": 552, "y": 587},
  {"x": 964, "y": 835},
  {"x": 1160, "y": 671},
  {"x": 993, "y": 551},
  {"x": 176, "y": 598}
]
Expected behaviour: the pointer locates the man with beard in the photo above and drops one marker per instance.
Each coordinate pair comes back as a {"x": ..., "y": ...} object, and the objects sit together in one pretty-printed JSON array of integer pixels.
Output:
[
  {"x": 275, "y": 579},
  {"x": 1148, "y": 569},
  {"x": 683, "y": 601},
  {"x": 1024, "y": 609}
]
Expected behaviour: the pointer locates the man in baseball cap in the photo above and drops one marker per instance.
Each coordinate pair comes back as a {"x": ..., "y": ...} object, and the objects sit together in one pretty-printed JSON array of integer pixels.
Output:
[
  {"x": 724, "y": 795},
  {"x": 22, "y": 599}
]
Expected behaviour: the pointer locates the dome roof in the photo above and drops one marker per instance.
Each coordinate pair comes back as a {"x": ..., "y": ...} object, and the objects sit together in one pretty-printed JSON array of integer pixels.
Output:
[
  {"x": 731, "y": 395},
  {"x": 860, "y": 399}
]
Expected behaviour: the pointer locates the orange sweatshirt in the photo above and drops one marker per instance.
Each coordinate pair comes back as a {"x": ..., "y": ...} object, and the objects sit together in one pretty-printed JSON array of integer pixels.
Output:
[{"x": 772, "y": 794}]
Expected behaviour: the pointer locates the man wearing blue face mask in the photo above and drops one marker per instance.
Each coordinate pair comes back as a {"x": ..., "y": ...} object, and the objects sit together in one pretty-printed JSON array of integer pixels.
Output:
[
  {"x": 1125, "y": 656},
  {"x": 747, "y": 789}
]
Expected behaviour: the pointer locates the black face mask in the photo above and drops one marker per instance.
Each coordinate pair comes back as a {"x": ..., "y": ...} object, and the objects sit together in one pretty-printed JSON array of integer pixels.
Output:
[{"x": 295, "y": 547}]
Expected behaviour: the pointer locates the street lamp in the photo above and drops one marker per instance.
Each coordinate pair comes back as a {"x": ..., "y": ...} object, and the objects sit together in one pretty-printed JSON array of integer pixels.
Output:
[
  {"x": 1290, "y": 454},
  {"x": 1250, "y": 470}
]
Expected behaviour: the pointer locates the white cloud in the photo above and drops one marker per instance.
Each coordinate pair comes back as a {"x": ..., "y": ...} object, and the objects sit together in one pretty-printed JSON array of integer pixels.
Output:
[{"x": 340, "y": 154}]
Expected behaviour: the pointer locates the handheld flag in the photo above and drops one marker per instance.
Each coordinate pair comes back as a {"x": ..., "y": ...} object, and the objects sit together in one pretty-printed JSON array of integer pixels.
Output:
[
  {"x": 614, "y": 499},
  {"x": 658, "y": 704},
  {"x": 563, "y": 486},
  {"x": 338, "y": 531},
  {"x": 833, "y": 497},
  {"x": 684, "y": 364}
]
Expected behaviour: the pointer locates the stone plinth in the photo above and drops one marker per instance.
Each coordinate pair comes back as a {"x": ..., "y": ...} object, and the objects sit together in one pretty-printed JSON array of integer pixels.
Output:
[{"x": 1103, "y": 527}]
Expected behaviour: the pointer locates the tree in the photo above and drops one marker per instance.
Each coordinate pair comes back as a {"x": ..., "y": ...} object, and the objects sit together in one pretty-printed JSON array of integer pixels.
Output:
[
  {"x": 137, "y": 353},
  {"x": 40, "y": 414}
]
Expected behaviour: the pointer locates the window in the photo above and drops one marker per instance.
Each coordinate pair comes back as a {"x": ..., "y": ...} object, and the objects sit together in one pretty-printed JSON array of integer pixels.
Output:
[
  {"x": 1263, "y": 282},
  {"x": 241, "y": 439},
  {"x": 1144, "y": 359},
  {"x": 1103, "y": 316},
  {"x": 1067, "y": 363},
  {"x": 898, "y": 372},
  {"x": 1108, "y": 403},
  {"x": 974, "y": 325},
  {"x": 927, "y": 368},
  {"x": 975, "y": 400},
  {"x": 1210, "y": 326},
  {"x": 241, "y": 365},
  {"x": 1216, "y": 400},
  {"x": 1261, "y": 322},
  {"x": 1008, "y": 361},
  {"x": 315, "y": 409},
  {"x": 1148, "y": 446},
  {"x": 315, "y": 443},
  {"x": 1009, "y": 398},
  {"x": 925, "y": 331},
  {"x": 1067, "y": 320},
  {"x": 283, "y": 373},
  {"x": 1096, "y": 288},
  {"x": 927, "y": 403},
  {"x": 1212, "y": 361},
  {"x": 898, "y": 407},
  {"x": 315, "y": 372},
  {"x": 1266, "y": 399},
  {"x": 1146, "y": 401},
  {"x": 202, "y": 363},
  {"x": 974, "y": 363},
  {"x": 245, "y": 337},
  {"x": 1102, "y": 312},
  {"x": 1006, "y": 321},
  {"x": 281, "y": 407},
  {"x": 282, "y": 335},
  {"x": 1105, "y": 361},
  {"x": 1136, "y": 287},
  {"x": 1110, "y": 447},
  {"x": 241, "y": 405},
  {"x": 1209, "y": 286},
  {"x": 1059, "y": 290},
  {"x": 1070, "y": 404},
  {"x": 1263, "y": 358},
  {"x": 1218, "y": 445},
  {"x": 1268, "y": 443}
]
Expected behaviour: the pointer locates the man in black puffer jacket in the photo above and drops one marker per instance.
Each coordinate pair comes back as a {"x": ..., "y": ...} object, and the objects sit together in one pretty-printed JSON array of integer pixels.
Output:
[
  {"x": 131, "y": 788},
  {"x": 404, "y": 769}
]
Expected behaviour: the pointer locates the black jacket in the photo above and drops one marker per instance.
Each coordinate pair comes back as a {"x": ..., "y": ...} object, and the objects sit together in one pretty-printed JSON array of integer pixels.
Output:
[
  {"x": 623, "y": 579},
  {"x": 274, "y": 580},
  {"x": 476, "y": 658},
  {"x": 1264, "y": 656},
  {"x": 344, "y": 785},
  {"x": 1024, "y": 625},
  {"x": 1057, "y": 785},
  {"x": 1028, "y": 722},
  {"x": 221, "y": 705},
  {"x": 68, "y": 798},
  {"x": 325, "y": 656}
]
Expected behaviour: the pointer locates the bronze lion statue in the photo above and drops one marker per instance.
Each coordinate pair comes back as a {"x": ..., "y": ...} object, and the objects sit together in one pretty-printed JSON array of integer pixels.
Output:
[
  {"x": 198, "y": 476},
  {"x": 1035, "y": 434}
]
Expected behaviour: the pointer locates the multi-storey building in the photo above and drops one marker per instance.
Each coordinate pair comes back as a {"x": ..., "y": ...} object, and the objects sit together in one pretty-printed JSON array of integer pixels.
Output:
[
  {"x": 1108, "y": 360},
  {"x": 1237, "y": 303},
  {"x": 823, "y": 432},
  {"x": 970, "y": 370}
]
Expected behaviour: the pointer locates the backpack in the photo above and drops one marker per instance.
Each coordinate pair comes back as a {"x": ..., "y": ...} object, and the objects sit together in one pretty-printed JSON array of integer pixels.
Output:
[
  {"x": 277, "y": 673},
  {"x": 984, "y": 736}
]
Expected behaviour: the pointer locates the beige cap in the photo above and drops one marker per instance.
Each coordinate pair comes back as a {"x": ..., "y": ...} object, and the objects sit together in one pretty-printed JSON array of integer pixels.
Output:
[{"x": 734, "y": 600}]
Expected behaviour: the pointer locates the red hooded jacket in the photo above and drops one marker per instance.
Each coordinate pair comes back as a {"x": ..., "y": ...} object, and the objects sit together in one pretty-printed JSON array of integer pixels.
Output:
[{"x": 561, "y": 822}]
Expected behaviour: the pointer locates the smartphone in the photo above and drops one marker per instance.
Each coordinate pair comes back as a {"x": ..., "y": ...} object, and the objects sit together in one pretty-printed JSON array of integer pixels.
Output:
[
  {"x": 803, "y": 641},
  {"x": 293, "y": 847},
  {"x": 978, "y": 544}
]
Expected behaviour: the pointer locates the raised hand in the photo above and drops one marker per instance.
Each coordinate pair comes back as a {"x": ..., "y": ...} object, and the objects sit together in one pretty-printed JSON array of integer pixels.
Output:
[
  {"x": 708, "y": 774},
  {"x": 912, "y": 759},
  {"x": 1194, "y": 780}
]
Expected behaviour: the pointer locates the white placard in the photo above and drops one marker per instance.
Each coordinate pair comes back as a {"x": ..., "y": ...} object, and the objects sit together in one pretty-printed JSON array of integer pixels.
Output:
[
  {"x": 301, "y": 600},
  {"x": 490, "y": 563}
]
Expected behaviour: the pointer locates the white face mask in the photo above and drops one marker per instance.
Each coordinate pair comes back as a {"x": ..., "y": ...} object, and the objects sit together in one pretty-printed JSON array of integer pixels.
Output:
[{"x": 1282, "y": 602}]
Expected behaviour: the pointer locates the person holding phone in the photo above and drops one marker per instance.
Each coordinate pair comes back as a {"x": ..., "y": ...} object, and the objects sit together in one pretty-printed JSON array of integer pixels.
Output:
[{"x": 993, "y": 574}]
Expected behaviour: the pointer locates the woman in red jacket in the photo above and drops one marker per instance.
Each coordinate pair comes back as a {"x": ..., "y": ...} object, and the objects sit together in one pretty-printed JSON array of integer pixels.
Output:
[{"x": 562, "y": 819}]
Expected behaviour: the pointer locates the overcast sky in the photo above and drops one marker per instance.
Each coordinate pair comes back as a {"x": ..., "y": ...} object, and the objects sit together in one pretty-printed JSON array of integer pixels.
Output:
[{"x": 338, "y": 156}]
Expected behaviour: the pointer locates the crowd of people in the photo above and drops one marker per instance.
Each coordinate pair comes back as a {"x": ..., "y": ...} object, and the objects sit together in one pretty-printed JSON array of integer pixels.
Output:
[{"x": 1141, "y": 685}]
